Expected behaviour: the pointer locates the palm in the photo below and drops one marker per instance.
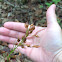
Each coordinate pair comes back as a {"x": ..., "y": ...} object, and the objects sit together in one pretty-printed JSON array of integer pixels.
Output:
[
  {"x": 12, "y": 30},
  {"x": 46, "y": 39}
]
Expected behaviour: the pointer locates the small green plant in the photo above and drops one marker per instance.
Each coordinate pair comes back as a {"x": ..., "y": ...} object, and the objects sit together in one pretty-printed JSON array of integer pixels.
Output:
[
  {"x": 53, "y": 1},
  {"x": 48, "y": 4},
  {"x": 56, "y": 1},
  {"x": 40, "y": 6}
]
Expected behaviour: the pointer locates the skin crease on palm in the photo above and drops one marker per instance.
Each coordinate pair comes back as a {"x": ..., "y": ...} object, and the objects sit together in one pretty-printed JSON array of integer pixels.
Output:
[{"x": 49, "y": 37}]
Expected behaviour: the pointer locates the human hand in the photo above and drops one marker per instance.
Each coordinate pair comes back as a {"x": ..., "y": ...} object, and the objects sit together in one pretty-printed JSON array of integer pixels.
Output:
[{"x": 49, "y": 37}]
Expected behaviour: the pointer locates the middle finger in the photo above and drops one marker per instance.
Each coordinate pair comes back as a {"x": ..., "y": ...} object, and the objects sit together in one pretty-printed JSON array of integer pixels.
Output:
[{"x": 11, "y": 33}]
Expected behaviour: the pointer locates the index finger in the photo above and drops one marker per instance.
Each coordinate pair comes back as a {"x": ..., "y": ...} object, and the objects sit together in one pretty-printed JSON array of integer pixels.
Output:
[{"x": 15, "y": 26}]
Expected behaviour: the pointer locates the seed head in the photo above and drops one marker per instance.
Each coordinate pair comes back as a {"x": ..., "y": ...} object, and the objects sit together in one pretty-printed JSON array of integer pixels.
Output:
[
  {"x": 26, "y": 25},
  {"x": 32, "y": 27},
  {"x": 36, "y": 46},
  {"x": 18, "y": 40}
]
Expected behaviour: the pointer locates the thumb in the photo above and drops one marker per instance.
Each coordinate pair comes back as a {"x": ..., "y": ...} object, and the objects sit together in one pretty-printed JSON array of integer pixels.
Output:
[{"x": 51, "y": 16}]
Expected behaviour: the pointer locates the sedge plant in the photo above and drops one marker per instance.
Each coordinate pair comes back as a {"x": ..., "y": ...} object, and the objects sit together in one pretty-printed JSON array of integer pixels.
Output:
[{"x": 29, "y": 30}]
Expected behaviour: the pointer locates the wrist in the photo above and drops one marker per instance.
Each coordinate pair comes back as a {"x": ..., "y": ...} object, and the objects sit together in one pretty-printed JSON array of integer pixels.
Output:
[{"x": 58, "y": 56}]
